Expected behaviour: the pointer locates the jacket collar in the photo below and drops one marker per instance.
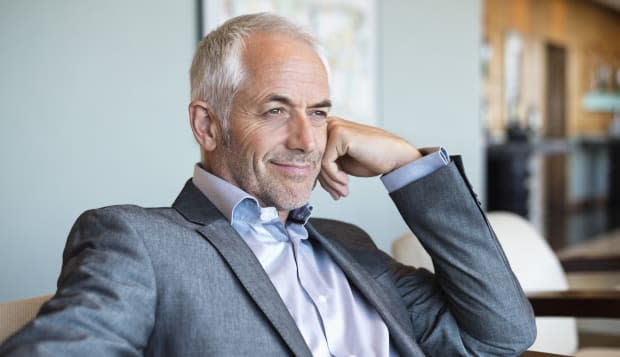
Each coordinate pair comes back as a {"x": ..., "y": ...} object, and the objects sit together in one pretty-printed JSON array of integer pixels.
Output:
[
  {"x": 216, "y": 229},
  {"x": 214, "y": 226},
  {"x": 195, "y": 206}
]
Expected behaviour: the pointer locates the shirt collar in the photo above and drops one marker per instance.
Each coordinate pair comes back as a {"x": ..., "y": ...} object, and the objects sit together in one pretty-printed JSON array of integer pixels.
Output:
[{"x": 227, "y": 198}]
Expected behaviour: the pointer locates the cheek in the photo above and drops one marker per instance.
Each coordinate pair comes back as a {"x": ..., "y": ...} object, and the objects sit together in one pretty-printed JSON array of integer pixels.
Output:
[
  {"x": 320, "y": 135},
  {"x": 256, "y": 141}
]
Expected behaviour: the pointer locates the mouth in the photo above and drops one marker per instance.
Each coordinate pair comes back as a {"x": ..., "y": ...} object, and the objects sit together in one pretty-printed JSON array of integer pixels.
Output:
[{"x": 294, "y": 169}]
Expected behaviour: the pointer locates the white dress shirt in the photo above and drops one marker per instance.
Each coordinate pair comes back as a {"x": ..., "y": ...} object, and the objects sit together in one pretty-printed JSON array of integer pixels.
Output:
[{"x": 332, "y": 317}]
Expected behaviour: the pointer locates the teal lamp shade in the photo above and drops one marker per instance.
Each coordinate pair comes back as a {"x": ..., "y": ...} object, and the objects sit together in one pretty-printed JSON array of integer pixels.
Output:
[{"x": 607, "y": 102}]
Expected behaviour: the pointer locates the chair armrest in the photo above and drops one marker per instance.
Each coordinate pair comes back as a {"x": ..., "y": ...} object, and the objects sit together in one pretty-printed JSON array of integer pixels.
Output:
[{"x": 577, "y": 303}]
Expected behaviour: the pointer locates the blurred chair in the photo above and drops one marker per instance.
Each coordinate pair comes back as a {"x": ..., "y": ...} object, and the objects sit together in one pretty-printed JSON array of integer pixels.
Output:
[
  {"x": 15, "y": 314},
  {"x": 540, "y": 274}
]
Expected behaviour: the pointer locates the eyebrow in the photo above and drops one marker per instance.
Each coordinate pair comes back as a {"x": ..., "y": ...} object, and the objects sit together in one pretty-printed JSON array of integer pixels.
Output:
[{"x": 287, "y": 101}]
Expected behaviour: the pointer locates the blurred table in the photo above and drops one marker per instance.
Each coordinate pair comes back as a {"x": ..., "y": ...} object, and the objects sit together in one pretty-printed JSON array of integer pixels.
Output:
[
  {"x": 601, "y": 253},
  {"x": 540, "y": 354}
]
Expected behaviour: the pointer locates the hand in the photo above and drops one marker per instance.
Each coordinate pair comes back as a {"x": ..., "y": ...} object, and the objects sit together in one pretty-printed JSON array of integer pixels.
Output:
[{"x": 360, "y": 150}]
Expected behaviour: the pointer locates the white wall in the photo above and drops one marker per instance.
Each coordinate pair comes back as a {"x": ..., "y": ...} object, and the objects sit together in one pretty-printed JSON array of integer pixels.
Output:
[
  {"x": 93, "y": 98},
  {"x": 430, "y": 91}
]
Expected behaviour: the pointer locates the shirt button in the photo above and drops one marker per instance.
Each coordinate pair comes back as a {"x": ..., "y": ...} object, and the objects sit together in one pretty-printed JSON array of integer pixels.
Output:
[
  {"x": 264, "y": 216},
  {"x": 352, "y": 355},
  {"x": 322, "y": 298}
]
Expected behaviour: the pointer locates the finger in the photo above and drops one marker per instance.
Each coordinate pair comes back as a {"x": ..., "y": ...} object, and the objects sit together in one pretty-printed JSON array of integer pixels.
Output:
[
  {"x": 329, "y": 189},
  {"x": 334, "y": 149},
  {"x": 335, "y": 196},
  {"x": 363, "y": 150},
  {"x": 345, "y": 145},
  {"x": 336, "y": 189},
  {"x": 333, "y": 171}
]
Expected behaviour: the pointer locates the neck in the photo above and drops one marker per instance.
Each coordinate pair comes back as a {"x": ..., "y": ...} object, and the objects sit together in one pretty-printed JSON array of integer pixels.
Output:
[{"x": 283, "y": 216}]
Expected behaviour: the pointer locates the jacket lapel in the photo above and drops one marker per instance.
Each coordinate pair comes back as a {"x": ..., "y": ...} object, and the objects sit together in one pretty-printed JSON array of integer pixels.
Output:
[
  {"x": 195, "y": 207},
  {"x": 386, "y": 301}
]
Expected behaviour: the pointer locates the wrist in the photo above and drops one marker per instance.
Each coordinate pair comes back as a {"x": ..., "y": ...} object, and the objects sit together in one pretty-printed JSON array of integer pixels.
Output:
[{"x": 410, "y": 155}]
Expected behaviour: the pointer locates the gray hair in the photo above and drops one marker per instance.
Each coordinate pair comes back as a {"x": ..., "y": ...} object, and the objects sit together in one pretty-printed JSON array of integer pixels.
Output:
[{"x": 218, "y": 72}]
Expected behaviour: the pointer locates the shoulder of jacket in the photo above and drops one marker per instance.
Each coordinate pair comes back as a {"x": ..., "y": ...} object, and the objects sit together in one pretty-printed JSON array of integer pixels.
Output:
[{"x": 131, "y": 212}]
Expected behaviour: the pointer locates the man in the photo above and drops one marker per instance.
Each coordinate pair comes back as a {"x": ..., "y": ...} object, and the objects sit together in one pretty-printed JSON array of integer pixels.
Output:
[{"x": 237, "y": 268}]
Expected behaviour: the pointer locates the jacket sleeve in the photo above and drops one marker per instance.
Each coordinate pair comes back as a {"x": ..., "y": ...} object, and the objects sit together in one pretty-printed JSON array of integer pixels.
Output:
[
  {"x": 473, "y": 295},
  {"x": 105, "y": 302}
]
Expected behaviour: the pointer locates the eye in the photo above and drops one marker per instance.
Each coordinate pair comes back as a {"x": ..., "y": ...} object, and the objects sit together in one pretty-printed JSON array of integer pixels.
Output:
[
  {"x": 320, "y": 113},
  {"x": 278, "y": 112}
]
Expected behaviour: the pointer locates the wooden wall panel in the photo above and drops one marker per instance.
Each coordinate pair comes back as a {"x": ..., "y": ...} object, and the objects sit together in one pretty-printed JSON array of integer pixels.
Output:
[{"x": 589, "y": 32}]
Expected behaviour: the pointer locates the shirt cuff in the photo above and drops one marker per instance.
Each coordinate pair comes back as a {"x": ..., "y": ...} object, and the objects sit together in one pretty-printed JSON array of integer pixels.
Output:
[{"x": 434, "y": 159}]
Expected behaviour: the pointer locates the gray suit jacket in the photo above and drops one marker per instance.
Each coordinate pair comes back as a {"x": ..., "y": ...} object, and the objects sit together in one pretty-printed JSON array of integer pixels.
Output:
[{"x": 180, "y": 282}]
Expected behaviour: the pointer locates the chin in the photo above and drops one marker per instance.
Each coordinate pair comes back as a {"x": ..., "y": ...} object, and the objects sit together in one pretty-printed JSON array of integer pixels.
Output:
[
  {"x": 286, "y": 196},
  {"x": 293, "y": 202}
]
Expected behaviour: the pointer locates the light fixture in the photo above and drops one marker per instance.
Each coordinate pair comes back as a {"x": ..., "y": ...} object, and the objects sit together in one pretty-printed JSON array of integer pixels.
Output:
[{"x": 606, "y": 102}]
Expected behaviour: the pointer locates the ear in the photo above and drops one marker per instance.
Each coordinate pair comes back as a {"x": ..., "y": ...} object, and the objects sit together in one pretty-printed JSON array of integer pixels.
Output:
[{"x": 204, "y": 125}]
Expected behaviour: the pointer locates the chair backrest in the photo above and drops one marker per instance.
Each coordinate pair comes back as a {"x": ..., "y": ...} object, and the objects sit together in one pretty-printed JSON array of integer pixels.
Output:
[
  {"x": 15, "y": 314},
  {"x": 535, "y": 265}
]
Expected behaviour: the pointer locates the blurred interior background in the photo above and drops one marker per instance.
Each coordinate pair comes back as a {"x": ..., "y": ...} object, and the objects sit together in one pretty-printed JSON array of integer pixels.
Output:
[
  {"x": 551, "y": 114},
  {"x": 550, "y": 107}
]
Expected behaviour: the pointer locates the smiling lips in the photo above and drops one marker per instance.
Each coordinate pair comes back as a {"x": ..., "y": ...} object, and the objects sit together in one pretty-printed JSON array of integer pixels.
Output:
[
  {"x": 294, "y": 165},
  {"x": 294, "y": 168}
]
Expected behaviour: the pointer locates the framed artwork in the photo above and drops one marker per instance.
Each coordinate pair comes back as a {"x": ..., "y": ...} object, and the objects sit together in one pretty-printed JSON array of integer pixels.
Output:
[{"x": 347, "y": 30}]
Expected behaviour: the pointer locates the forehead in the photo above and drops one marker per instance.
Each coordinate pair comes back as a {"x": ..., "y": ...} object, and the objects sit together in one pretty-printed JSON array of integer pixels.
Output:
[{"x": 282, "y": 62}]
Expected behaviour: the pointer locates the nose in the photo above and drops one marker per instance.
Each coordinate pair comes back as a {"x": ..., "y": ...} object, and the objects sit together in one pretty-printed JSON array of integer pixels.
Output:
[{"x": 301, "y": 134}]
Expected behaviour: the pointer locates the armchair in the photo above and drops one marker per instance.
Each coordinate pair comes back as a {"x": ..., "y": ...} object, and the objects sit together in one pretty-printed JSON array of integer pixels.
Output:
[{"x": 16, "y": 314}]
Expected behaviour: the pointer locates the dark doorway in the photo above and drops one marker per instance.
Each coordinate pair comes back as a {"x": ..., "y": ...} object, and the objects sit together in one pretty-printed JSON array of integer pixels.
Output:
[{"x": 555, "y": 166}]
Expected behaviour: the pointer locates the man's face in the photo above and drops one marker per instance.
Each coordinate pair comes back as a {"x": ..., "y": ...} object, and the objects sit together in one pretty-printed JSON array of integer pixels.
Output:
[{"x": 278, "y": 123}]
